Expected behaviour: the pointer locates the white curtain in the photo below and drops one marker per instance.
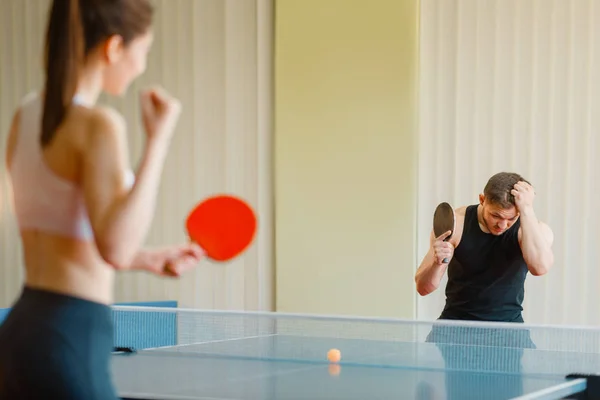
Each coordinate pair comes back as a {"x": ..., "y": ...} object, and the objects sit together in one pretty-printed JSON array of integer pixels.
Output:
[{"x": 514, "y": 85}]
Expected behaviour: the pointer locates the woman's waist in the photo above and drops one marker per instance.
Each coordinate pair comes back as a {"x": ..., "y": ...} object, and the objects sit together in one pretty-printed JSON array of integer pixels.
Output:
[
  {"x": 67, "y": 267},
  {"x": 91, "y": 283}
]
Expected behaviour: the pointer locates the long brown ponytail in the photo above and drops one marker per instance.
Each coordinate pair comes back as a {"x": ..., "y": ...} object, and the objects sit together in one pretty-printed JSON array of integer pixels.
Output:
[
  {"x": 63, "y": 57},
  {"x": 75, "y": 27}
]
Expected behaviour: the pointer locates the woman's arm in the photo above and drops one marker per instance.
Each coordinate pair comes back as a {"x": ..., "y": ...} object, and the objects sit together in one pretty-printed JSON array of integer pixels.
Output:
[
  {"x": 11, "y": 143},
  {"x": 168, "y": 261},
  {"x": 120, "y": 216}
]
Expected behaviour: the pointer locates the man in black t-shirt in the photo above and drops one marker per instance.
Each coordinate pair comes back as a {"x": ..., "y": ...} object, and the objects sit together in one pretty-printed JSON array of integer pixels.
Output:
[{"x": 494, "y": 245}]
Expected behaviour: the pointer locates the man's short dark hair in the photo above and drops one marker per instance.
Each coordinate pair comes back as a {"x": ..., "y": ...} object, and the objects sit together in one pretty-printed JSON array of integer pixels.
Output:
[{"x": 497, "y": 190}]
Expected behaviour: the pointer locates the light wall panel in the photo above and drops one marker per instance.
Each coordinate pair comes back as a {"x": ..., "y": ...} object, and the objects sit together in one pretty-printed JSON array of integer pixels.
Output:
[
  {"x": 345, "y": 167},
  {"x": 514, "y": 85}
]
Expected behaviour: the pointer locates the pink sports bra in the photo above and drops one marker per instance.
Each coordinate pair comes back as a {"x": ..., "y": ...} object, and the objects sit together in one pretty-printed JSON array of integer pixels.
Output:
[{"x": 43, "y": 200}]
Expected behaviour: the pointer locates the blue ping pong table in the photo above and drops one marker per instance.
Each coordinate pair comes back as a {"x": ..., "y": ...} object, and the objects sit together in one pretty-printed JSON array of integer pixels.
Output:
[{"x": 227, "y": 355}]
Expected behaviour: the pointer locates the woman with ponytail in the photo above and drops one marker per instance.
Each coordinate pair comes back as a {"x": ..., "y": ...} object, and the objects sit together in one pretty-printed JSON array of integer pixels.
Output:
[{"x": 82, "y": 213}]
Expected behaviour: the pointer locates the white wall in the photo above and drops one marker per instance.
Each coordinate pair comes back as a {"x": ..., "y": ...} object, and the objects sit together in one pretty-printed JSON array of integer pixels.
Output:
[
  {"x": 223, "y": 141},
  {"x": 515, "y": 85}
]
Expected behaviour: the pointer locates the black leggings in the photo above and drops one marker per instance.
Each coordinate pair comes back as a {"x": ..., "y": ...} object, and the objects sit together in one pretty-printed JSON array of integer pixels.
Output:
[{"x": 54, "y": 346}]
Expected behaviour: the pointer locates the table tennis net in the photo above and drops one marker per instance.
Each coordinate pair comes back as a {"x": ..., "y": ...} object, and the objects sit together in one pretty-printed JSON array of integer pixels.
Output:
[{"x": 437, "y": 345}]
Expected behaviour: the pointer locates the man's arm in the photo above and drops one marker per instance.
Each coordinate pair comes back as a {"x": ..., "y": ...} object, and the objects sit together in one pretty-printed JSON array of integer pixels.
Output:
[
  {"x": 431, "y": 270},
  {"x": 536, "y": 238}
]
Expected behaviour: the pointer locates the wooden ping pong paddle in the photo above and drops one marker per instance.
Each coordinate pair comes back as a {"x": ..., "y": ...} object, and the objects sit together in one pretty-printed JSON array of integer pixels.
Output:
[
  {"x": 223, "y": 226},
  {"x": 444, "y": 221}
]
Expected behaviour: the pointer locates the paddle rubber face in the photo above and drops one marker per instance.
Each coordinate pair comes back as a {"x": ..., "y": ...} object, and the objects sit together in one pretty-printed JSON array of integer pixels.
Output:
[
  {"x": 443, "y": 220},
  {"x": 224, "y": 226}
]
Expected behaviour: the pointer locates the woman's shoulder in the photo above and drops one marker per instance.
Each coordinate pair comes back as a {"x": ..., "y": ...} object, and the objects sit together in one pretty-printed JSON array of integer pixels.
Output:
[
  {"x": 98, "y": 118},
  {"x": 99, "y": 123},
  {"x": 91, "y": 129}
]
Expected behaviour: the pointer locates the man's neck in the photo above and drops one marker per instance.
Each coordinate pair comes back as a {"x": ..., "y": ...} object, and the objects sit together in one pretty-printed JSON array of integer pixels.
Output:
[{"x": 480, "y": 220}]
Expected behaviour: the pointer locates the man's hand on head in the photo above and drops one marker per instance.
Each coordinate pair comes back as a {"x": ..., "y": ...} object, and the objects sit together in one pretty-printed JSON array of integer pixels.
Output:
[{"x": 524, "y": 195}]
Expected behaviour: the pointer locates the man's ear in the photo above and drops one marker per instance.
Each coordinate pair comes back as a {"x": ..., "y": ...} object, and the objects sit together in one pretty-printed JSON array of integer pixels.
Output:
[
  {"x": 112, "y": 49},
  {"x": 481, "y": 199}
]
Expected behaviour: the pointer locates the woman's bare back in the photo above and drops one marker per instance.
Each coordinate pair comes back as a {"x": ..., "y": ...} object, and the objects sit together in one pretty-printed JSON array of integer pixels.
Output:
[{"x": 55, "y": 262}]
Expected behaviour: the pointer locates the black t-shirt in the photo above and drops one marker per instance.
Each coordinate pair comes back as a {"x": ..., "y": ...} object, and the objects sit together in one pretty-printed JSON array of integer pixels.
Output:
[{"x": 486, "y": 276}]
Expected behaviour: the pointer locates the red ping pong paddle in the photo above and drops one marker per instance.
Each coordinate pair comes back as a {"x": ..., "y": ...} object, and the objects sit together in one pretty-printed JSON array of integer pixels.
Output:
[
  {"x": 223, "y": 225},
  {"x": 443, "y": 221}
]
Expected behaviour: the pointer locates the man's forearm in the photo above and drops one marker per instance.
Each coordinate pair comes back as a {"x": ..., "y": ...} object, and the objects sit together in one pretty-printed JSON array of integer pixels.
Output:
[
  {"x": 535, "y": 244},
  {"x": 429, "y": 275}
]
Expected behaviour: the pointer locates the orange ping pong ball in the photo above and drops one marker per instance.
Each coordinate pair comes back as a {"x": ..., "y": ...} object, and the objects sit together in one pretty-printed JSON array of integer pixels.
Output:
[{"x": 334, "y": 355}]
